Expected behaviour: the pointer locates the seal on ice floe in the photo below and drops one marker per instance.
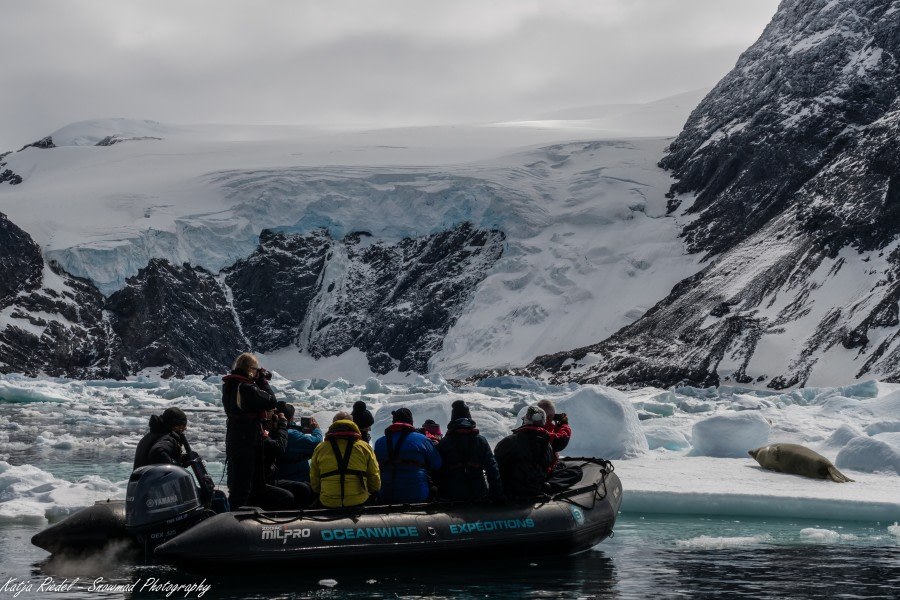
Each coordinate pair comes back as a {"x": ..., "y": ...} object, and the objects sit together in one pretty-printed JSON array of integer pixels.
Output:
[{"x": 797, "y": 460}]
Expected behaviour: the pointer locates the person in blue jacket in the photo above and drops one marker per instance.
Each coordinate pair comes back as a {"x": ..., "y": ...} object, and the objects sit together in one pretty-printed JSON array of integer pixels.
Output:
[
  {"x": 405, "y": 458},
  {"x": 293, "y": 464}
]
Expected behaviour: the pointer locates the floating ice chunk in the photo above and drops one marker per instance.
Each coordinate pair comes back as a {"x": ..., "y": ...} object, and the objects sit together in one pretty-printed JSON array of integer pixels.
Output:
[
  {"x": 663, "y": 409},
  {"x": 662, "y": 436},
  {"x": 330, "y": 583},
  {"x": 729, "y": 435},
  {"x": 868, "y": 455},
  {"x": 31, "y": 391},
  {"x": 375, "y": 386},
  {"x": 516, "y": 382},
  {"x": 842, "y": 435},
  {"x": 340, "y": 384},
  {"x": 605, "y": 423},
  {"x": 704, "y": 542},
  {"x": 894, "y": 529},
  {"x": 882, "y": 427},
  {"x": 820, "y": 535}
]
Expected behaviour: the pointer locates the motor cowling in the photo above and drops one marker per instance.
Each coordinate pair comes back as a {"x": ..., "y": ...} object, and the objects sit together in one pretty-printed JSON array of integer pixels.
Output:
[{"x": 161, "y": 502}]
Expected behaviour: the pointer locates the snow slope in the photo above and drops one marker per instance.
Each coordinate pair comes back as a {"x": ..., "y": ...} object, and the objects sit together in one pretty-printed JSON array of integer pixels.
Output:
[{"x": 589, "y": 247}]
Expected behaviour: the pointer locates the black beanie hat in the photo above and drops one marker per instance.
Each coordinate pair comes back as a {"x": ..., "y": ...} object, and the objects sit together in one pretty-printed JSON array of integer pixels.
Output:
[
  {"x": 361, "y": 416},
  {"x": 289, "y": 411},
  {"x": 174, "y": 416},
  {"x": 459, "y": 410},
  {"x": 402, "y": 415}
]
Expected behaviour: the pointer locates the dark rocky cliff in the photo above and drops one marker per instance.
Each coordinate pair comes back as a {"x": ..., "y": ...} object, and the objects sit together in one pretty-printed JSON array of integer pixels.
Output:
[
  {"x": 788, "y": 181},
  {"x": 395, "y": 301}
]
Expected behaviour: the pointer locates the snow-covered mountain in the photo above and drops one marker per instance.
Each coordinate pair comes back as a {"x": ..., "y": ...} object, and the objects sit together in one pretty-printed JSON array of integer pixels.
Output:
[
  {"x": 762, "y": 249},
  {"x": 788, "y": 184},
  {"x": 450, "y": 249}
]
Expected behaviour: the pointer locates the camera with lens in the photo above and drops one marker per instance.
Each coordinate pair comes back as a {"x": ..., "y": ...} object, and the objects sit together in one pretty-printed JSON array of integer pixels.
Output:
[
  {"x": 560, "y": 419},
  {"x": 264, "y": 374}
]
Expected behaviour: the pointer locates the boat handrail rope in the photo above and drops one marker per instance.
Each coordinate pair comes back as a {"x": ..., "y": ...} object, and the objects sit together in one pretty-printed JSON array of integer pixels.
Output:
[{"x": 597, "y": 496}]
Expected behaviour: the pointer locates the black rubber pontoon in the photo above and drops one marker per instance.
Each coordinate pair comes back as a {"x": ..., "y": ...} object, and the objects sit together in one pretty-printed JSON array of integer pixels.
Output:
[{"x": 565, "y": 523}]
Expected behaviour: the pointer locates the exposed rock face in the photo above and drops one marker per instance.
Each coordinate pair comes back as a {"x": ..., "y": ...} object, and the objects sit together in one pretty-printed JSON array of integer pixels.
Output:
[
  {"x": 273, "y": 288},
  {"x": 177, "y": 317},
  {"x": 794, "y": 158},
  {"x": 394, "y": 301},
  {"x": 7, "y": 175},
  {"x": 822, "y": 78},
  {"x": 43, "y": 144},
  {"x": 53, "y": 322}
]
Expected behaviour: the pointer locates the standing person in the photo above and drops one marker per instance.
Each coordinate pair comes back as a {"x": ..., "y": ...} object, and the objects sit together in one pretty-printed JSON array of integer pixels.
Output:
[
  {"x": 406, "y": 458},
  {"x": 363, "y": 419},
  {"x": 302, "y": 439},
  {"x": 246, "y": 396},
  {"x": 343, "y": 470},
  {"x": 467, "y": 458},
  {"x": 164, "y": 443},
  {"x": 525, "y": 457}
]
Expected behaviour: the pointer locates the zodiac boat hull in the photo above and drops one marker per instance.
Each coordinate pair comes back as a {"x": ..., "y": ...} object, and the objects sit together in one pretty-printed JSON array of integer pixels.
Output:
[{"x": 565, "y": 523}]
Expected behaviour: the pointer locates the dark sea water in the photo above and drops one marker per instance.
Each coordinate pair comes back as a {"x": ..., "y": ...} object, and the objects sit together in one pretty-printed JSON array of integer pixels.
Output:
[{"x": 649, "y": 557}]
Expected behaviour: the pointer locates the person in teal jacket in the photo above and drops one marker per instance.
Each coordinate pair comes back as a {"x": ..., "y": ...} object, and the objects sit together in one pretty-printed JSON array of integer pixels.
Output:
[
  {"x": 293, "y": 465},
  {"x": 406, "y": 458}
]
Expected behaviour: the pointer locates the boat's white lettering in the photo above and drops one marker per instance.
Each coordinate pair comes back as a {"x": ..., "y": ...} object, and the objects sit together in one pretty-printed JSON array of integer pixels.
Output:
[{"x": 492, "y": 525}]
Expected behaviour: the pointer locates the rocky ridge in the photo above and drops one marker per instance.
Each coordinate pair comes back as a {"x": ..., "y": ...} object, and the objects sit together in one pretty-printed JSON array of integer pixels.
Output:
[
  {"x": 394, "y": 301},
  {"x": 788, "y": 179}
]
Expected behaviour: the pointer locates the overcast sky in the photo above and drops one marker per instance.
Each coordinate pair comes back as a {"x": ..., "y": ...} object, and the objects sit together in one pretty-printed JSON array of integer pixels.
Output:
[{"x": 354, "y": 61}]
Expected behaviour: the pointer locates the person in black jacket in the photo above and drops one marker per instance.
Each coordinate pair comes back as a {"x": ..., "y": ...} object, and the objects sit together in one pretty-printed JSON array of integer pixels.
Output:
[
  {"x": 525, "y": 457},
  {"x": 246, "y": 396},
  {"x": 164, "y": 444},
  {"x": 467, "y": 458}
]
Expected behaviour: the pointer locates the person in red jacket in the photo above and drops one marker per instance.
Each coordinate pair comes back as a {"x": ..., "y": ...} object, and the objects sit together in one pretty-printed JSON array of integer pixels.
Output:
[
  {"x": 561, "y": 476},
  {"x": 557, "y": 425}
]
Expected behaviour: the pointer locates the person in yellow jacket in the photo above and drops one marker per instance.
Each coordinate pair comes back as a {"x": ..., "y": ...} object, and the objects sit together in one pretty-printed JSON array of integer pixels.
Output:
[{"x": 343, "y": 469}]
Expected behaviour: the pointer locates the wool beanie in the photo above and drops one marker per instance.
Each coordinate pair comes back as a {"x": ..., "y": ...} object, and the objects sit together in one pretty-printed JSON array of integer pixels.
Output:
[
  {"x": 289, "y": 410},
  {"x": 174, "y": 416},
  {"x": 402, "y": 415},
  {"x": 361, "y": 415},
  {"x": 458, "y": 410},
  {"x": 431, "y": 427},
  {"x": 535, "y": 416}
]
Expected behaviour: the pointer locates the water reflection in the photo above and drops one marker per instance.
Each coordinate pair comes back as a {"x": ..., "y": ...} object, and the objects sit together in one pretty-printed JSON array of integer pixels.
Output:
[{"x": 591, "y": 575}]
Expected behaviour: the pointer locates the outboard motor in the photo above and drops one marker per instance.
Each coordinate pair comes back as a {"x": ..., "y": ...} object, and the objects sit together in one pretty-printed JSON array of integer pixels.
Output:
[{"x": 161, "y": 502}]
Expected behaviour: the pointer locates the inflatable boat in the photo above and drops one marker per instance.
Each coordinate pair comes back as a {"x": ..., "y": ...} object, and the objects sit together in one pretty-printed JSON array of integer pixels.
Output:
[
  {"x": 164, "y": 516},
  {"x": 567, "y": 522},
  {"x": 161, "y": 502}
]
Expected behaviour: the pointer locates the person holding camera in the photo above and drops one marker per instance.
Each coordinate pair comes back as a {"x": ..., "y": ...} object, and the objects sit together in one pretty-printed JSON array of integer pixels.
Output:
[
  {"x": 302, "y": 440},
  {"x": 557, "y": 426},
  {"x": 276, "y": 493},
  {"x": 561, "y": 476},
  {"x": 525, "y": 457},
  {"x": 246, "y": 396}
]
